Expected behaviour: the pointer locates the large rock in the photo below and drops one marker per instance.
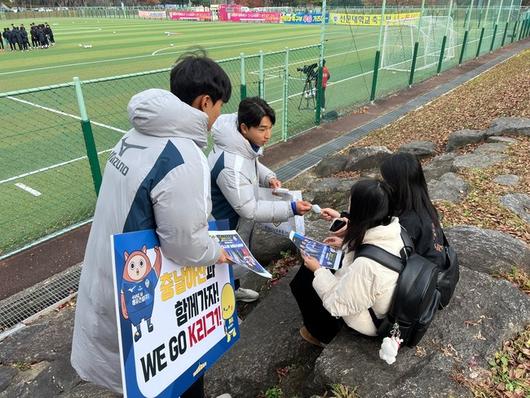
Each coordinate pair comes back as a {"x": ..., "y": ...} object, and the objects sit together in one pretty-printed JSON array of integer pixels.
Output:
[
  {"x": 482, "y": 314},
  {"x": 449, "y": 187},
  {"x": 267, "y": 246},
  {"x": 479, "y": 160},
  {"x": 507, "y": 179},
  {"x": 317, "y": 229},
  {"x": 462, "y": 138},
  {"x": 509, "y": 125},
  {"x": 269, "y": 341},
  {"x": 41, "y": 354},
  {"x": 439, "y": 165},
  {"x": 421, "y": 149},
  {"x": 366, "y": 157},
  {"x": 330, "y": 192},
  {"x": 488, "y": 251},
  {"x": 332, "y": 165},
  {"x": 519, "y": 203}
]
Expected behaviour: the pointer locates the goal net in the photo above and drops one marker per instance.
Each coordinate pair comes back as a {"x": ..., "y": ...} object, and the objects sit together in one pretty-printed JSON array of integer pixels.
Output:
[{"x": 400, "y": 35}]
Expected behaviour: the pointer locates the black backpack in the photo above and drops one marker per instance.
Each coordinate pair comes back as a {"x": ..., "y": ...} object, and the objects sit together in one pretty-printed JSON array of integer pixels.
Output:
[{"x": 418, "y": 293}]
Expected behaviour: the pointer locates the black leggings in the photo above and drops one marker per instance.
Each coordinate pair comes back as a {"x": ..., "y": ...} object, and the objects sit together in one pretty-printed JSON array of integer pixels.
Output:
[
  {"x": 196, "y": 390},
  {"x": 318, "y": 321}
]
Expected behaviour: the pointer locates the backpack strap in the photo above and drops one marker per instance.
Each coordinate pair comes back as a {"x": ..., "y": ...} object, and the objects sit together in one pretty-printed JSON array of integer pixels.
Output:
[{"x": 381, "y": 256}]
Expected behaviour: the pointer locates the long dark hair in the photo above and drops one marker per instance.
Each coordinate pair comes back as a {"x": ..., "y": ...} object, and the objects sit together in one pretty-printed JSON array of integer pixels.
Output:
[
  {"x": 404, "y": 174},
  {"x": 370, "y": 206}
]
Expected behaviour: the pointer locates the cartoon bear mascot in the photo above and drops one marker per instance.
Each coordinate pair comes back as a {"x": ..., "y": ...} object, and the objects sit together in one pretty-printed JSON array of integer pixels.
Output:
[{"x": 138, "y": 288}]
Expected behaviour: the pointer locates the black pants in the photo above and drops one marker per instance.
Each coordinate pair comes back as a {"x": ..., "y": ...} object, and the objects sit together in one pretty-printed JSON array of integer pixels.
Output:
[
  {"x": 318, "y": 321},
  {"x": 196, "y": 390}
]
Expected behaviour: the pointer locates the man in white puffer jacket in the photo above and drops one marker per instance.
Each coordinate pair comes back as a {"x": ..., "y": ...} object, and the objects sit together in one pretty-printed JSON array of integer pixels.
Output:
[
  {"x": 157, "y": 177},
  {"x": 237, "y": 174}
]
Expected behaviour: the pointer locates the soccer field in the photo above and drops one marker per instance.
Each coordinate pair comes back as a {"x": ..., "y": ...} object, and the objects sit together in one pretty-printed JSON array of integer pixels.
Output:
[{"x": 45, "y": 181}]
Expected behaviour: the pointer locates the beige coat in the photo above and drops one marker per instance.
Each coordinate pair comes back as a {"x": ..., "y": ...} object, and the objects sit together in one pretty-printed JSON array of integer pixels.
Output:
[{"x": 363, "y": 283}]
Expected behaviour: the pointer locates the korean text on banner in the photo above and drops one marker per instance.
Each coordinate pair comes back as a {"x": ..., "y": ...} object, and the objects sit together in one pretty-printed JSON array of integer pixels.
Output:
[{"x": 174, "y": 321}]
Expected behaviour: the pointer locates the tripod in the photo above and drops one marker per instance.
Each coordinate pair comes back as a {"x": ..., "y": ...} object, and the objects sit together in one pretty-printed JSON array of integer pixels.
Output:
[{"x": 309, "y": 92}]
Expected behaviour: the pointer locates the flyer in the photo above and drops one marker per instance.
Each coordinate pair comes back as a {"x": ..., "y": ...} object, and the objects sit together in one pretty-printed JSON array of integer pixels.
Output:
[{"x": 327, "y": 256}]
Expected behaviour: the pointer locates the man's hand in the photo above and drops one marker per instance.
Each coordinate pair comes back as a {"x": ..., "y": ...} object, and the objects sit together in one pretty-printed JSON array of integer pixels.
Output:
[
  {"x": 224, "y": 258},
  {"x": 334, "y": 241},
  {"x": 274, "y": 183},
  {"x": 302, "y": 207},
  {"x": 329, "y": 214},
  {"x": 311, "y": 263}
]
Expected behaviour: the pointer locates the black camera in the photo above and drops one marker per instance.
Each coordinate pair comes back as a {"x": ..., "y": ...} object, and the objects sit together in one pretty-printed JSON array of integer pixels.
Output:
[{"x": 309, "y": 70}]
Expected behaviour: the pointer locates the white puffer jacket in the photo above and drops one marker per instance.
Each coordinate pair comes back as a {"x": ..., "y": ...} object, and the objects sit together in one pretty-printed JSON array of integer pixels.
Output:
[
  {"x": 237, "y": 175},
  {"x": 363, "y": 283}
]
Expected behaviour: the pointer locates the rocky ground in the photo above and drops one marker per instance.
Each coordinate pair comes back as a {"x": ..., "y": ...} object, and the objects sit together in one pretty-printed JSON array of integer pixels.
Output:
[{"x": 478, "y": 346}]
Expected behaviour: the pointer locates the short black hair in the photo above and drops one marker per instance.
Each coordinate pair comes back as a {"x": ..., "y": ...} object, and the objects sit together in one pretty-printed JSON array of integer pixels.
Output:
[
  {"x": 252, "y": 110},
  {"x": 195, "y": 74}
]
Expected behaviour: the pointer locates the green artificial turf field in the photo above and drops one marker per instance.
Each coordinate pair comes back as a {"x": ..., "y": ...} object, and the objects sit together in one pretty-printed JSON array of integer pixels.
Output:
[{"x": 45, "y": 181}]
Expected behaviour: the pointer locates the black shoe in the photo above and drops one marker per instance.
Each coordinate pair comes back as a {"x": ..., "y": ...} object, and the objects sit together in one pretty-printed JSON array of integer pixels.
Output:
[
  {"x": 150, "y": 327},
  {"x": 137, "y": 335}
]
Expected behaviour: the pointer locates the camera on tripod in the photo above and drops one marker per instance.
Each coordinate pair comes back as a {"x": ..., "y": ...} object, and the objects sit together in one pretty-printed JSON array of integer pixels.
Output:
[{"x": 309, "y": 70}]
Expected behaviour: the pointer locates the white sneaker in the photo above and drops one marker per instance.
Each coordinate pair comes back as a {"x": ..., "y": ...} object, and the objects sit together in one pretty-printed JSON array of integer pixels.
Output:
[
  {"x": 225, "y": 395},
  {"x": 246, "y": 295}
]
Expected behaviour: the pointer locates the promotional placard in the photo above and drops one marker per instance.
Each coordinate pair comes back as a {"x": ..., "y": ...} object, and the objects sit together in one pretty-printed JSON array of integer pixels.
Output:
[{"x": 174, "y": 321}]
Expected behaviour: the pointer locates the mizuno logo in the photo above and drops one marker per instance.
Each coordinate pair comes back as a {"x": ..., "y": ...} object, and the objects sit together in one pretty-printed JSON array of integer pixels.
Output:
[{"x": 125, "y": 146}]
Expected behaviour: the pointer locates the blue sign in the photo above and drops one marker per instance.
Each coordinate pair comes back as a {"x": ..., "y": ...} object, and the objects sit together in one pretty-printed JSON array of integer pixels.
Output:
[
  {"x": 174, "y": 321},
  {"x": 302, "y": 18}
]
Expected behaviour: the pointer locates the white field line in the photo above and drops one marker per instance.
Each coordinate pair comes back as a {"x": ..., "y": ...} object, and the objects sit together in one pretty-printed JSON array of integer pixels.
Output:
[
  {"x": 65, "y": 114},
  {"x": 48, "y": 168},
  {"x": 32, "y": 191},
  {"x": 62, "y": 163},
  {"x": 236, "y": 44},
  {"x": 272, "y": 68}
]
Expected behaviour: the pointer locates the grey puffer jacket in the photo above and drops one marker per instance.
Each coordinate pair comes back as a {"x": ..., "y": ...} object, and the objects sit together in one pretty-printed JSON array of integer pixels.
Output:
[
  {"x": 156, "y": 177},
  {"x": 236, "y": 177}
]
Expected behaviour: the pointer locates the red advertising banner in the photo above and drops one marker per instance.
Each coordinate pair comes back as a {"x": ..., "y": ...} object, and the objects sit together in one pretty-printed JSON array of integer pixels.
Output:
[
  {"x": 191, "y": 15},
  {"x": 235, "y": 13}
]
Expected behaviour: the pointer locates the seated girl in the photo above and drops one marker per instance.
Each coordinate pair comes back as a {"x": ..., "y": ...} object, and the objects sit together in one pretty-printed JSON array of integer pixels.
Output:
[{"x": 361, "y": 286}]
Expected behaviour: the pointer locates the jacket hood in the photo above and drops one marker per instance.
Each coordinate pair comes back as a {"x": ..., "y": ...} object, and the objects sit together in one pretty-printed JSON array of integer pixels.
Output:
[
  {"x": 384, "y": 235},
  {"x": 160, "y": 113},
  {"x": 228, "y": 138}
]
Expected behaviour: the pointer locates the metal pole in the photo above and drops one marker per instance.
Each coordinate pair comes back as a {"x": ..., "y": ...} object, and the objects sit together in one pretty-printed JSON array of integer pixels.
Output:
[
  {"x": 285, "y": 94},
  {"x": 507, "y": 24},
  {"x": 444, "y": 40},
  {"x": 90, "y": 145},
  {"x": 466, "y": 33},
  {"x": 321, "y": 62},
  {"x": 243, "y": 89},
  {"x": 378, "y": 54},
  {"x": 482, "y": 30},
  {"x": 416, "y": 46},
  {"x": 496, "y": 27},
  {"x": 261, "y": 86}
]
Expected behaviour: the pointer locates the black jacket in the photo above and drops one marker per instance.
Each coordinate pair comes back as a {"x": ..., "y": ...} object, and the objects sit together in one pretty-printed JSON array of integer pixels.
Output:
[{"x": 427, "y": 238}]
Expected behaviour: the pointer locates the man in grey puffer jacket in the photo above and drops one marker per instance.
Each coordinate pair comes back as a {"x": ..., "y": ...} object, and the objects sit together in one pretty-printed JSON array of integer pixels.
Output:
[
  {"x": 157, "y": 177},
  {"x": 237, "y": 175}
]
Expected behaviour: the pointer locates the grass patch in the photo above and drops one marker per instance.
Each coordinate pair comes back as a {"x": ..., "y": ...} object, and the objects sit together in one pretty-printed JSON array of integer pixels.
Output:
[{"x": 508, "y": 375}]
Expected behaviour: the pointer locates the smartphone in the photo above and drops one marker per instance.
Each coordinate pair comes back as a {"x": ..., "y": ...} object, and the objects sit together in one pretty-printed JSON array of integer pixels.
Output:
[{"x": 336, "y": 225}]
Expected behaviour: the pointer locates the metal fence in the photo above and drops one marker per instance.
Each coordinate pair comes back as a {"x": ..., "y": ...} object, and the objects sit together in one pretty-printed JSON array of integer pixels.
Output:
[{"x": 48, "y": 184}]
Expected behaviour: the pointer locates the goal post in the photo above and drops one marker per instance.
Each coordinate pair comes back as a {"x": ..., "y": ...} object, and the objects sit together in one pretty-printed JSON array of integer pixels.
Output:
[{"x": 400, "y": 36}]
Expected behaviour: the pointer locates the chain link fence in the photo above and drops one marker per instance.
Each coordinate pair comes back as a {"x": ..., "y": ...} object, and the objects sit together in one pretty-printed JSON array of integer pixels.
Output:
[{"x": 45, "y": 178}]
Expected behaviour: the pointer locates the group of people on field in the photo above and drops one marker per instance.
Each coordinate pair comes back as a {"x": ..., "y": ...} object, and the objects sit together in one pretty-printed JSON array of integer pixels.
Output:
[
  {"x": 18, "y": 38},
  {"x": 172, "y": 187}
]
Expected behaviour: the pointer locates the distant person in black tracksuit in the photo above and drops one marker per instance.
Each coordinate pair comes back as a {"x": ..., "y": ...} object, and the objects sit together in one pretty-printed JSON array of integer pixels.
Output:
[
  {"x": 33, "y": 33},
  {"x": 24, "y": 36},
  {"x": 49, "y": 34},
  {"x": 2, "y": 37},
  {"x": 18, "y": 37},
  {"x": 9, "y": 37},
  {"x": 41, "y": 36}
]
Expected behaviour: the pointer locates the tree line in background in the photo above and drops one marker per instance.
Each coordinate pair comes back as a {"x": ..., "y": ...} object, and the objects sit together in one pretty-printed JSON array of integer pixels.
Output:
[{"x": 31, "y": 4}]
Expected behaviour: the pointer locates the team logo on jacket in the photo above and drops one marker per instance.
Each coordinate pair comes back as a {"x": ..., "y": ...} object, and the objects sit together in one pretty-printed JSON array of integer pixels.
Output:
[{"x": 117, "y": 162}]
